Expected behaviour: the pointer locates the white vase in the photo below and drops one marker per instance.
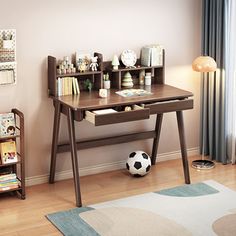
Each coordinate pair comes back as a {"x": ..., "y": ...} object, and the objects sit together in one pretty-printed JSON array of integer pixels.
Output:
[{"x": 107, "y": 84}]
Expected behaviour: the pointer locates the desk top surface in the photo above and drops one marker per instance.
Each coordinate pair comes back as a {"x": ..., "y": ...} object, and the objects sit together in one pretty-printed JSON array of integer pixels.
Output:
[{"x": 90, "y": 100}]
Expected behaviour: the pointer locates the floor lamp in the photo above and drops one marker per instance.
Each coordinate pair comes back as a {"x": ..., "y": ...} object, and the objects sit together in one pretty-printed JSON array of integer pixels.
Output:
[{"x": 203, "y": 64}]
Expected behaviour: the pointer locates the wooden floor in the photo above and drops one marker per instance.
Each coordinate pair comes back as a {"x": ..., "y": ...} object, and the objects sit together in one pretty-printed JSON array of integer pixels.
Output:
[{"x": 27, "y": 217}]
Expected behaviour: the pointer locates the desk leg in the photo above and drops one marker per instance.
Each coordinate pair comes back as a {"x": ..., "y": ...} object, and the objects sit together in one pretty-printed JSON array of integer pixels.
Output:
[
  {"x": 56, "y": 126},
  {"x": 156, "y": 139},
  {"x": 71, "y": 128},
  {"x": 183, "y": 146}
]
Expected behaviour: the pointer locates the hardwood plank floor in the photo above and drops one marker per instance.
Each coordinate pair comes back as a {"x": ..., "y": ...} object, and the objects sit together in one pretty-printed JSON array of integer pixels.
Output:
[{"x": 27, "y": 217}]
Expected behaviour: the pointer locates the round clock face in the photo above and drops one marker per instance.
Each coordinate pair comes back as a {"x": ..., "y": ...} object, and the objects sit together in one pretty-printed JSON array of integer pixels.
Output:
[{"x": 128, "y": 58}]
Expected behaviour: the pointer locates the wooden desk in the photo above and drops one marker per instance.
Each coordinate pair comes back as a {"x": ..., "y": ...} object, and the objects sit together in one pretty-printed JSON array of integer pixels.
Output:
[{"x": 164, "y": 99}]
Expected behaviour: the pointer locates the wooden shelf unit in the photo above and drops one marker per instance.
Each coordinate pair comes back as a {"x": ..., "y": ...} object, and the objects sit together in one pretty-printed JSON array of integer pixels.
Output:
[
  {"x": 96, "y": 77},
  {"x": 19, "y": 166},
  {"x": 158, "y": 74}
]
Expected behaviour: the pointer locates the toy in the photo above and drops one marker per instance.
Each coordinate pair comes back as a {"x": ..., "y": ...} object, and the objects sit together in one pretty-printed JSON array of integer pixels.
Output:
[
  {"x": 82, "y": 67},
  {"x": 94, "y": 63},
  {"x": 127, "y": 80},
  {"x": 138, "y": 163},
  {"x": 115, "y": 62}
]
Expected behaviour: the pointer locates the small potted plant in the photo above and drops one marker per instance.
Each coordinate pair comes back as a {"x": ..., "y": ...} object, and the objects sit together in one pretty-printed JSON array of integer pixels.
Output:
[
  {"x": 88, "y": 85},
  {"x": 106, "y": 81}
]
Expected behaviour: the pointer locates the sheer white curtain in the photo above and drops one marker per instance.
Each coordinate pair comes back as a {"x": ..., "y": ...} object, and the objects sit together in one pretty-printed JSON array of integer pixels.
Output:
[{"x": 230, "y": 73}]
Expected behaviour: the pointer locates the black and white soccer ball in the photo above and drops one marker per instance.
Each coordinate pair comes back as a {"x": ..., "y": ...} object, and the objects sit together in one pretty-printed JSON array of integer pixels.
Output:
[{"x": 138, "y": 163}]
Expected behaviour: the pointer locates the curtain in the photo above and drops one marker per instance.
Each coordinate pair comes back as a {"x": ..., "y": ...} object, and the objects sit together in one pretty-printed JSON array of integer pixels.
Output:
[
  {"x": 213, "y": 99},
  {"x": 230, "y": 73}
]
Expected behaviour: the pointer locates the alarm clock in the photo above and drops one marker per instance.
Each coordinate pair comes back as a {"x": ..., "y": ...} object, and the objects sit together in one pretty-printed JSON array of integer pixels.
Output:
[{"x": 128, "y": 58}]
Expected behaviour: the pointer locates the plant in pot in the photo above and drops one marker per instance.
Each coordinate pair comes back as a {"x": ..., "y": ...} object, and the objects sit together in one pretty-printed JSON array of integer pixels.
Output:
[
  {"x": 106, "y": 81},
  {"x": 88, "y": 85}
]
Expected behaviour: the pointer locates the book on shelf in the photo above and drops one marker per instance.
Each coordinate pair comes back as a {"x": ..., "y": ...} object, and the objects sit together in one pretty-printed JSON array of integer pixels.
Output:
[
  {"x": 6, "y": 177},
  {"x": 7, "y": 124},
  {"x": 3, "y": 189},
  {"x": 67, "y": 86},
  {"x": 8, "y": 182},
  {"x": 152, "y": 55},
  {"x": 8, "y": 152}
]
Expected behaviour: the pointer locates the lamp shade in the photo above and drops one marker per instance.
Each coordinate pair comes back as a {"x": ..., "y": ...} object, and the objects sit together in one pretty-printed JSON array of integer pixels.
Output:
[{"x": 204, "y": 64}]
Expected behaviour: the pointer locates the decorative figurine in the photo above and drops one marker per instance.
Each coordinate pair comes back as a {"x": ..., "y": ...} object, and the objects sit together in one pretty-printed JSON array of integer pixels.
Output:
[
  {"x": 128, "y": 108},
  {"x": 115, "y": 62},
  {"x": 103, "y": 93},
  {"x": 94, "y": 63},
  {"x": 127, "y": 81},
  {"x": 82, "y": 67}
]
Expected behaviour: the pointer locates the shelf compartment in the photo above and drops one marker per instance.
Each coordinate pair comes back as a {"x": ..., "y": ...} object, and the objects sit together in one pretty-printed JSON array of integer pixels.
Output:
[
  {"x": 138, "y": 113},
  {"x": 170, "y": 106}
]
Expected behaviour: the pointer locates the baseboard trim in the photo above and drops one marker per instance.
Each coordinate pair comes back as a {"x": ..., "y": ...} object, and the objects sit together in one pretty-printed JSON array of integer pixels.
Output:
[{"x": 40, "y": 179}]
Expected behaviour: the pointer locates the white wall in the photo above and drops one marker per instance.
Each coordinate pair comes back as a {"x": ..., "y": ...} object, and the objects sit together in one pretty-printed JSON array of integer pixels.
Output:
[{"x": 60, "y": 28}]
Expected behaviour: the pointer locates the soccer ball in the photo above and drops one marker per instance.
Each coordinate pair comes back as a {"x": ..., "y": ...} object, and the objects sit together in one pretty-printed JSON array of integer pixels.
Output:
[{"x": 138, "y": 163}]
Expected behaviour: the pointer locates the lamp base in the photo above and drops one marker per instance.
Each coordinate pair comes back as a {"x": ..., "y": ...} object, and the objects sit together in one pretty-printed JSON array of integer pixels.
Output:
[{"x": 203, "y": 164}]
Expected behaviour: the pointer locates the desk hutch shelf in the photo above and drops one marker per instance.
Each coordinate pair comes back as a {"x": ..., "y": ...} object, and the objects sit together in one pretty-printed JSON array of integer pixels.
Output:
[{"x": 157, "y": 72}]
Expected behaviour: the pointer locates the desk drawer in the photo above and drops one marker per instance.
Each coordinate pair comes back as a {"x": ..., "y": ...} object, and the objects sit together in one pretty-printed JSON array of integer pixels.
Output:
[
  {"x": 170, "y": 106},
  {"x": 138, "y": 113}
]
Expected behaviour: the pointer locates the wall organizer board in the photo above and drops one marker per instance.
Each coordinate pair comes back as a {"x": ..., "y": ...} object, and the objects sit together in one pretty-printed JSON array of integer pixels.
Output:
[{"x": 7, "y": 56}]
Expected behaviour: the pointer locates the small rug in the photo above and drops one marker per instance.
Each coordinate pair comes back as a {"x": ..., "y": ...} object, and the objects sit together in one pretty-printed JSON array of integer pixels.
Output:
[{"x": 202, "y": 209}]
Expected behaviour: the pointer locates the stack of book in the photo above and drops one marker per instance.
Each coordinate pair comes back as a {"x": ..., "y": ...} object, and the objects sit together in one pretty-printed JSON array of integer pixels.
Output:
[
  {"x": 67, "y": 86},
  {"x": 8, "y": 181}
]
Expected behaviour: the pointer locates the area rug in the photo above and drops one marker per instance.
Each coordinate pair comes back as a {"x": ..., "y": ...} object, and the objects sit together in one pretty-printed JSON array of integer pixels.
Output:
[{"x": 202, "y": 209}]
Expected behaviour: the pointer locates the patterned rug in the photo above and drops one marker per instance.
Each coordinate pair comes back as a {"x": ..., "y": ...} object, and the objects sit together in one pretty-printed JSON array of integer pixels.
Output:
[{"x": 202, "y": 209}]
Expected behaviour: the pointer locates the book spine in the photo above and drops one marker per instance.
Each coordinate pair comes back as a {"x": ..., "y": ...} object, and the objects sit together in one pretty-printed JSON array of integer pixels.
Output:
[{"x": 77, "y": 85}]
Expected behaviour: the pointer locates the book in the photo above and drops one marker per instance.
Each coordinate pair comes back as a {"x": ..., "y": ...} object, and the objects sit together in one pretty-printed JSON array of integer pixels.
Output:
[
  {"x": 133, "y": 92},
  {"x": 8, "y": 152},
  {"x": 77, "y": 85},
  {"x": 74, "y": 86},
  {"x": 146, "y": 56},
  {"x": 7, "y": 177},
  {"x": 7, "y": 124},
  {"x": 152, "y": 55},
  {"x": 2, "y": 189},
  {"x": 59, "y": 86}
]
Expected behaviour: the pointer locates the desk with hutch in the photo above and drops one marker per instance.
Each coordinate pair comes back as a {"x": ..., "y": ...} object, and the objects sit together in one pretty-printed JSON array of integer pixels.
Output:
[{"x": 164, "y": 98}]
